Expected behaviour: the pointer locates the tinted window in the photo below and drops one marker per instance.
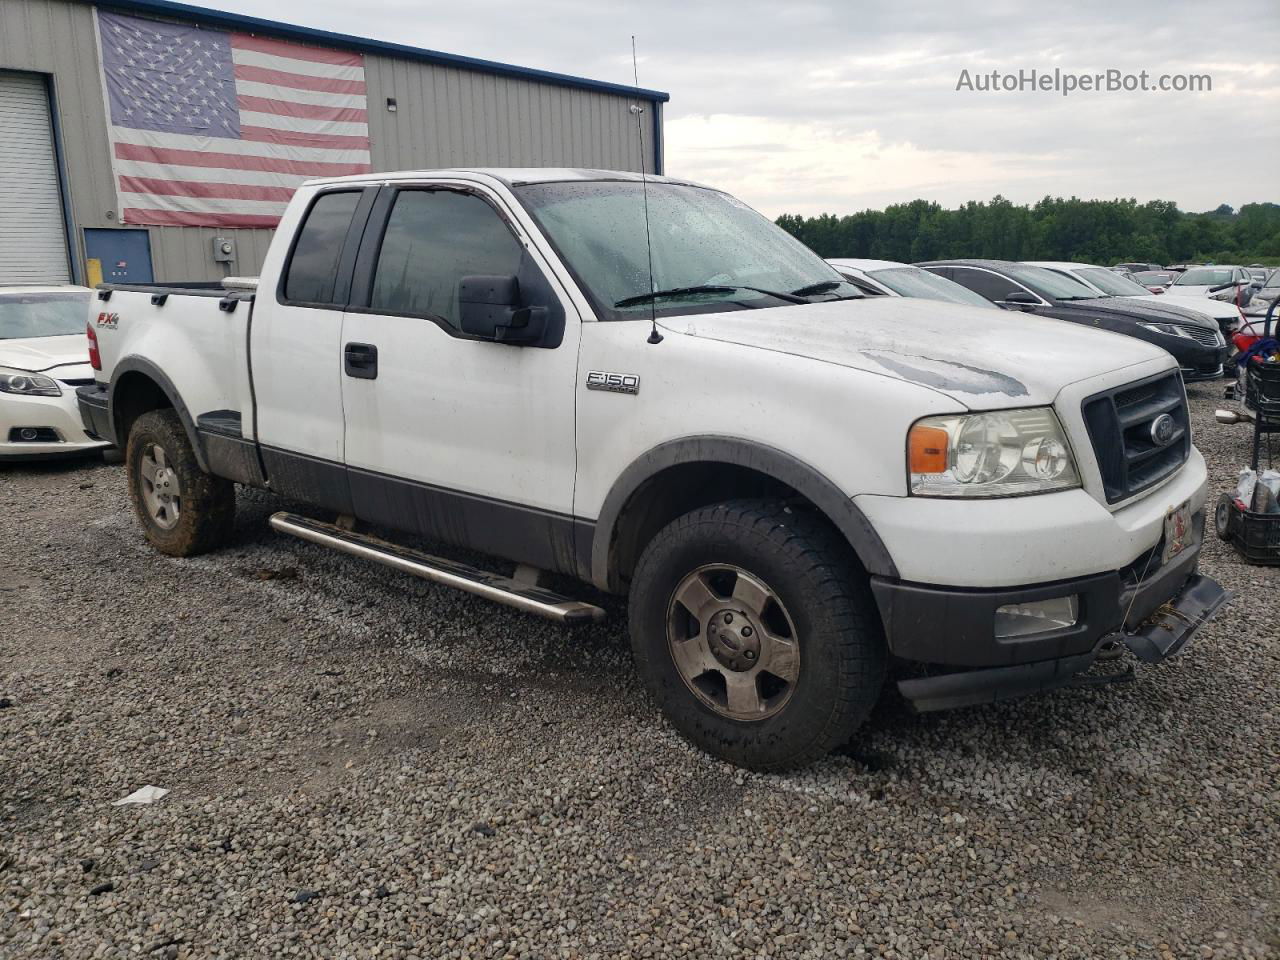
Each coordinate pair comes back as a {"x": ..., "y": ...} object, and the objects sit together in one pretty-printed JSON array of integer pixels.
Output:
[
  {"x": 914, "y": 282},
  {"x": 989, "y": 285},
  {"x": 435, "y": 238},
  {"x": 313, "y": 269}
]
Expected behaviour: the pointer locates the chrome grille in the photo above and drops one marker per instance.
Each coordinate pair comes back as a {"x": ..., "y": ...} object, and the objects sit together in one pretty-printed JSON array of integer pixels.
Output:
[
  {"x": 1120, "y": 426},
  {"x": 1205, "y": 336}
]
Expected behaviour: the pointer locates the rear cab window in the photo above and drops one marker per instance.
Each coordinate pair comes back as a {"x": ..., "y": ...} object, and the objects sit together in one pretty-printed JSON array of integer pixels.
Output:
[{"x": 312, "y": 271}]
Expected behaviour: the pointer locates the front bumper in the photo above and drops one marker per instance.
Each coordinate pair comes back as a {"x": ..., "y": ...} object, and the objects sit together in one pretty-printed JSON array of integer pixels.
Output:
[
  {"x": 95, "y": 412},
  {"x": 1197, "y": 361},
  {"x": 55, "y": 418},
  {"x": 1153, "y": 613}
]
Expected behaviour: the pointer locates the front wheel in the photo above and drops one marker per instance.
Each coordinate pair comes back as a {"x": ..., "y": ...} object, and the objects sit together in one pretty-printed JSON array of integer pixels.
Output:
[
  {"x": 756, "y": 633},
  {"x": 182, "y": 510}
]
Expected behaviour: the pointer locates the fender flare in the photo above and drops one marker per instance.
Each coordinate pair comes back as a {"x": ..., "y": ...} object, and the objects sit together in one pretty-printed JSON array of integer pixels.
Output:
[
  {"x": 135, "y": 364},
  {"x": 837, "y": 505}
]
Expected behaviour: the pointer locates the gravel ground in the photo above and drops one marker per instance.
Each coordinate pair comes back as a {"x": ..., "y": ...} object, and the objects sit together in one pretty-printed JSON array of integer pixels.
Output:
[{"x": 364, "y": 765}]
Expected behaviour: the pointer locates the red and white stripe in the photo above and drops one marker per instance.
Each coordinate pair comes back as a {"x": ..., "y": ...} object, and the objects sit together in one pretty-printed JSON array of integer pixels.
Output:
[{"x": 303, "y": 114}]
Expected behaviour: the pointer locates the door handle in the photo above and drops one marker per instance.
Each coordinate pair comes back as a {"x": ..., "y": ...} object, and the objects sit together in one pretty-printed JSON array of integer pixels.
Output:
[{"x": 360, "y": 360}]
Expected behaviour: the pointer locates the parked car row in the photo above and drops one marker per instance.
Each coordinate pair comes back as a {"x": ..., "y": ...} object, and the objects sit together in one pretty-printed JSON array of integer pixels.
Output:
[{"x": 1076, "y": 292}]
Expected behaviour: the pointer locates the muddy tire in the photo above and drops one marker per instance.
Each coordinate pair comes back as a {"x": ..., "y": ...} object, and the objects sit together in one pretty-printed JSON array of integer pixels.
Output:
[
  {"x": 182, "y": 510},
  {"x": 755, "y": 631}
]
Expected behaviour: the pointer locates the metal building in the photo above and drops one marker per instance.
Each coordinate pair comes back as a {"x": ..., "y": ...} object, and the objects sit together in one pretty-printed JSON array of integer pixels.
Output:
[{"x": 62, "y": 212}]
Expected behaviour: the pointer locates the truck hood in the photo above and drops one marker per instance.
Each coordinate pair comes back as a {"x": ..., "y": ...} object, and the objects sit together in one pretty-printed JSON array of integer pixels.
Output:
[
  {"x": 984, "y": 359},
  {"x": 41, "y": 354}
]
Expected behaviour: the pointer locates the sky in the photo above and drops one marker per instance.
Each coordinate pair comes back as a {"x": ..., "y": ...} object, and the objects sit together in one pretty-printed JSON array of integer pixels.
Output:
[{"x": 812, "y": 107}]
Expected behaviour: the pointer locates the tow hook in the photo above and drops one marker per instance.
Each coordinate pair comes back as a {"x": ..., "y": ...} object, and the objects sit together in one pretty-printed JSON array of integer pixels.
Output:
[{"x": 1111, "y": 648}]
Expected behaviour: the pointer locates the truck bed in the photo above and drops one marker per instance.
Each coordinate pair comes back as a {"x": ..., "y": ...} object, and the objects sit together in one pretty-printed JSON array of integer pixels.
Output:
[{"x": 195, "y": 334}]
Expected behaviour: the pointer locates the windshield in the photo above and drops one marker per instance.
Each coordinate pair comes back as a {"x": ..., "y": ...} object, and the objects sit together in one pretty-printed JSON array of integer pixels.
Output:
[
  {"x": 1111, "y": 283},
  {"x": 1205, "y": 277},
  {"x": 42, "y": 314},
  {"x": 1273, "y": 280},
  {"x": 1152, "y": 278},
  {"x": 1049, "y": 283},
  {"x": 914, "y": 282},
  {"x": 703, "y": 239}
]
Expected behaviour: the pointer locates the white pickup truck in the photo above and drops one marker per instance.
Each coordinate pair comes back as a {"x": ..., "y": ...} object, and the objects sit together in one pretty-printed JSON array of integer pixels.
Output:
[{"x": 650, "y": 387}]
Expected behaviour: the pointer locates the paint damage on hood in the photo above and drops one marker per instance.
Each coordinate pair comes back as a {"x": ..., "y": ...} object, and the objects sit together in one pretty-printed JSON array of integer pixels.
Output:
[{"x": 984, "y": 359}]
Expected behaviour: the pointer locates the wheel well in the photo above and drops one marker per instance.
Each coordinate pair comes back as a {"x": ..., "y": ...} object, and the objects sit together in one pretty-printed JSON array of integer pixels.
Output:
[
  {"x": 675, "y": 491},
  {"x": 132, "y": 396}
]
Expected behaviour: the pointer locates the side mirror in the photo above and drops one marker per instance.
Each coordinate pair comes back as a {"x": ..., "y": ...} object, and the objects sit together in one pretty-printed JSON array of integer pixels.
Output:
[
  {"x": 1020, "y": 300},
  {"x": 490, "y": 308}
]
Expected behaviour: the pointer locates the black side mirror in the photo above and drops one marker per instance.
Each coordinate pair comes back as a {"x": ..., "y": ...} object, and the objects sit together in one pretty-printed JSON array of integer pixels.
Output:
[
  {"x": 491, "y": 309},
  {"x": 1020, "y": 300}
]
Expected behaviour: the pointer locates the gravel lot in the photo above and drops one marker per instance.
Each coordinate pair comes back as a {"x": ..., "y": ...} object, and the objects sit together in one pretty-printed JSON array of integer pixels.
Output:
[{"x": 364, "y": 765}]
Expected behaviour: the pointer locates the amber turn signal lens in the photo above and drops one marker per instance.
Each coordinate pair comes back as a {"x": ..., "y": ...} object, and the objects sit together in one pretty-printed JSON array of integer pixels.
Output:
[{"x": 927, "y": 449}]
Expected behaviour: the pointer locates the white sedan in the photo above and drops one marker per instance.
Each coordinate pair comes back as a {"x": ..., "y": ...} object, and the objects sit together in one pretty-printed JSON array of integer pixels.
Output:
[
  {"x": 1232, "y": 284},
  {"x": 44, "y": 356},
  {"x": 1111, "y": 284}
]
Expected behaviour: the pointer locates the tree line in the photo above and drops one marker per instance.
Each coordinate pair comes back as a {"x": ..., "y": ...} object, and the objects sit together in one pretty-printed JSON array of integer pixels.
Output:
[{"x": 1088, "y": 231}]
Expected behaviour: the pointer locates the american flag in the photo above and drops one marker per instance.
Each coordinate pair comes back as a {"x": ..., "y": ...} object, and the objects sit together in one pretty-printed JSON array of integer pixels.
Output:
[{"x": 211, "y": 128}]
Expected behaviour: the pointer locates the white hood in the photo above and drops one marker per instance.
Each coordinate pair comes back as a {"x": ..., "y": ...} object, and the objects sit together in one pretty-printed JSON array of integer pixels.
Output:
[
  {"x": 66, "y": 357},
  {"x": 1214, "y": 309},
  {"x": 982, "y": 358}
]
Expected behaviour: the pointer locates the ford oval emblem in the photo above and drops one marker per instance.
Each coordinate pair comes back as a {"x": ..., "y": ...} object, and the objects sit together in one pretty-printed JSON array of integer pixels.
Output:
[{"x": 1162, "y": 430}]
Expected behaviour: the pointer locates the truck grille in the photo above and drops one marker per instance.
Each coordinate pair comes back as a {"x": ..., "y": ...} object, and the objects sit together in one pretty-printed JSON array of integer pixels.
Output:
[{"x": 1120, "y": 425}]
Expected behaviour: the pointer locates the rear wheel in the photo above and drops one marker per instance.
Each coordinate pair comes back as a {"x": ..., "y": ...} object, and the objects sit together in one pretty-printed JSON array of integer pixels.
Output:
[
  {"x": 183, "y": 511},
  {"x": 756, "y": 633}
]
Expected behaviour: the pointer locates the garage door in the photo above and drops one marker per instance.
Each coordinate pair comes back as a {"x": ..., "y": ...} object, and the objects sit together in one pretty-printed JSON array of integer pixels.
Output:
[{"x": 33, "y": 239}]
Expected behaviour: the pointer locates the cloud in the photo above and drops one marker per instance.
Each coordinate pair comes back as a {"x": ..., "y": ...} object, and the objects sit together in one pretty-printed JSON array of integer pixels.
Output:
[{"x": 819, "y": 106}]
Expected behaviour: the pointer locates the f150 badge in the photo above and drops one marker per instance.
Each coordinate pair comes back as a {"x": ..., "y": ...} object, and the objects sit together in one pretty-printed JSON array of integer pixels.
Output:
[{"x": 613, "y": 382}]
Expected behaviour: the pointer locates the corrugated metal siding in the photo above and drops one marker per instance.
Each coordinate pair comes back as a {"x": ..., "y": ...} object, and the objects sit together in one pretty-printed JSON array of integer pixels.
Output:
[
  {"x": 33, "y": 243},
  {"x": 446, "y": 116}
]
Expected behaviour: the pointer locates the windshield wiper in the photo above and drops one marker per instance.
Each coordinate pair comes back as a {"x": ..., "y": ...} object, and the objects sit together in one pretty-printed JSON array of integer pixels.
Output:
[
  {"x": 824, "y": 286},
  {"x": 703, "y": 288}
]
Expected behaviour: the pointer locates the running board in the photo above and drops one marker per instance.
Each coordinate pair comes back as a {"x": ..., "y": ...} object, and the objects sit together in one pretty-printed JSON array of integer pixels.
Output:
[{"x": 522, "y": 596}]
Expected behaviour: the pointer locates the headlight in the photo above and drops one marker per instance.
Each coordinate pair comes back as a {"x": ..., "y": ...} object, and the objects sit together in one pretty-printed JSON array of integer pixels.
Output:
[
  {"x": 1003, "y": 454},
  {"x": 29, "y": 384},
  {"x": 1168, "y": 329},
  {"x": 1228, "y": 295}
]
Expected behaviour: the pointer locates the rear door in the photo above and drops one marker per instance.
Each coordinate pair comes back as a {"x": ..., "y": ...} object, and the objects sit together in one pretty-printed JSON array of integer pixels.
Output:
[
  {"x": 296, "y": 351},
  {"x": 454, "y": 438}
]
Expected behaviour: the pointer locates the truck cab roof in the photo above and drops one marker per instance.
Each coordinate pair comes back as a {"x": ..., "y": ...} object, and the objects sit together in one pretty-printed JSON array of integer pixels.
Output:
[{"x": 514, "y": 176}]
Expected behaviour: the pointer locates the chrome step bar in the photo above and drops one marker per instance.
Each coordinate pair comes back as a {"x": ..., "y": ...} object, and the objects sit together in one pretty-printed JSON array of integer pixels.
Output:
[{"x": 522, "y": 596}]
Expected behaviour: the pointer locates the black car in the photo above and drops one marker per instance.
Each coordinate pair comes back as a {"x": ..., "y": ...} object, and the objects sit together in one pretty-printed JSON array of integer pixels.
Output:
[{"x": 1193, "y": 338}]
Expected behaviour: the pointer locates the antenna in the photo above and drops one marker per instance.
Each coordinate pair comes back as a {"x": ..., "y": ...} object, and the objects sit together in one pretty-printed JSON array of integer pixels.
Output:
[{"x": 636, "y": 110}]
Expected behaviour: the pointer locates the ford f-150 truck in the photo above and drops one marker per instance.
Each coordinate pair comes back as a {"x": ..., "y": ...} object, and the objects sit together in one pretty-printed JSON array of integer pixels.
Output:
[{"x": 644, "y": 384}]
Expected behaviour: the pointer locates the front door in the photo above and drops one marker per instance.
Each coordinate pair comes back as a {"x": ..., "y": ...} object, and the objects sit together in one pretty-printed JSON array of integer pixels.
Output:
[{"x": 458, "y": 439}]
